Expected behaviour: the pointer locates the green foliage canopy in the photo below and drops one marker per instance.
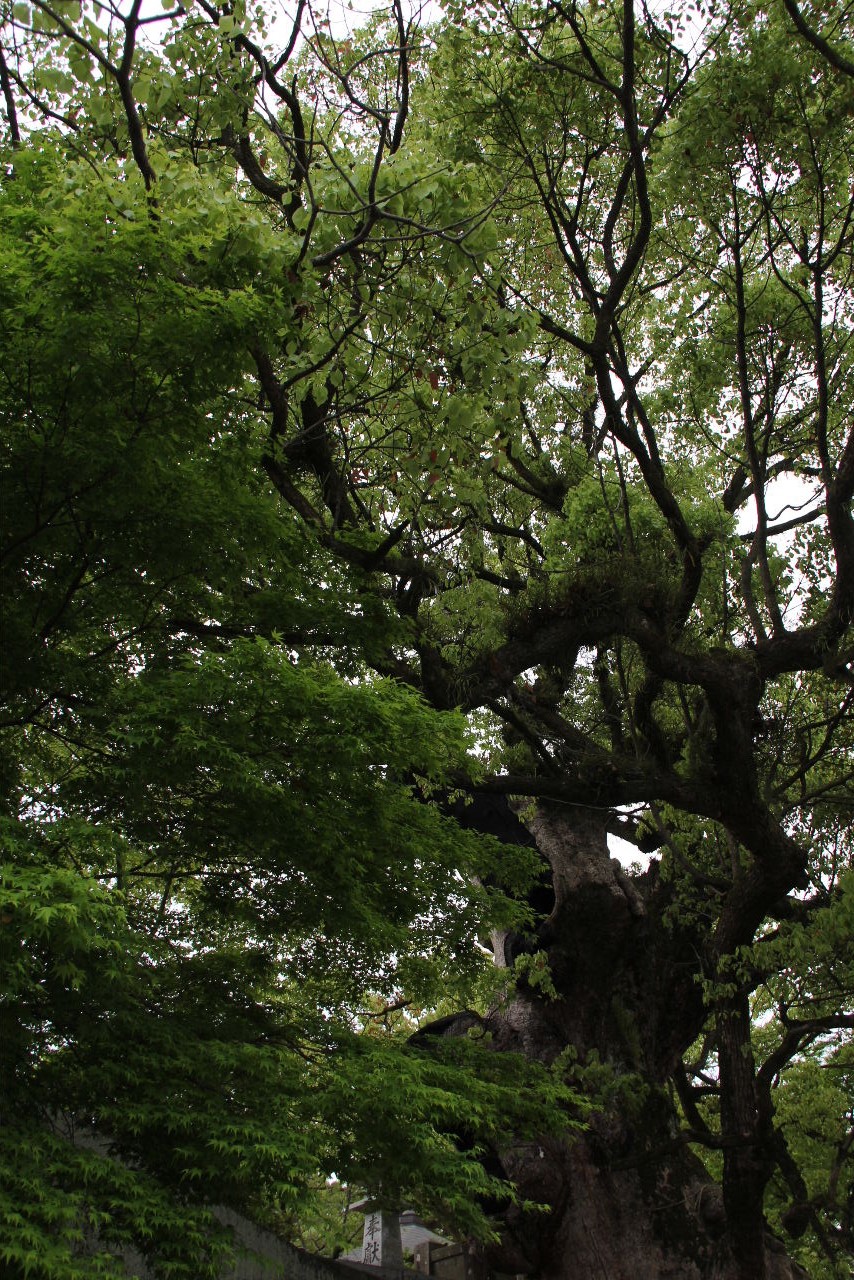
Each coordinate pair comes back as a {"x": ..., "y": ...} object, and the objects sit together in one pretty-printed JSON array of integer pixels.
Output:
[
  {"x": 213, "y": 860},
  {"x": 385, "y": 410}
]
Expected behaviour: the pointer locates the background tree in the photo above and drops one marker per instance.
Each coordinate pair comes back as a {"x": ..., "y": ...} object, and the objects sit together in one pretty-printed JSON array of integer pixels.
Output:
[{"x": 531, "y": 319}]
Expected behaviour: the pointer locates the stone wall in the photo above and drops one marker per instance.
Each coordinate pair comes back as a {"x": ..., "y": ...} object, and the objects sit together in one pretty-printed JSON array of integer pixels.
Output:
[
  {"x": 269, "y": 1258},
  {"x": 264, "y": 1256}
]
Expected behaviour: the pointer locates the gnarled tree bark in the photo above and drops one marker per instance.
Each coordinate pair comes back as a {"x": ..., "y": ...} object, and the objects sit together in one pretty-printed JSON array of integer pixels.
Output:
[{"x": 629, "y": 1197}]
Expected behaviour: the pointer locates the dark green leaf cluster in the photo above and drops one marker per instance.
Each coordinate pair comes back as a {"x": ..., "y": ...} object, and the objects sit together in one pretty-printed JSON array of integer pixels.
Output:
[{"x": 215, "y": 851}]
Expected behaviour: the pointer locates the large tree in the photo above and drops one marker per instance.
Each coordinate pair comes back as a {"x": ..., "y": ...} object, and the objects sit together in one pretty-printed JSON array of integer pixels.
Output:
[{"x": 363, "y": 385}]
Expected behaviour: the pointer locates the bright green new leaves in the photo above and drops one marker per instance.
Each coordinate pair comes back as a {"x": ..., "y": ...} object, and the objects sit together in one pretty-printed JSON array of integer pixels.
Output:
[
  {"x": 217, "y": 843},
  {"x": 473, "y": 1099}
]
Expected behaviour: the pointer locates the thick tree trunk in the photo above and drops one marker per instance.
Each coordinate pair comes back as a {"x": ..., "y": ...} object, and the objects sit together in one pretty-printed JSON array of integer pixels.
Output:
[{"x": 628, "y": 1200}]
